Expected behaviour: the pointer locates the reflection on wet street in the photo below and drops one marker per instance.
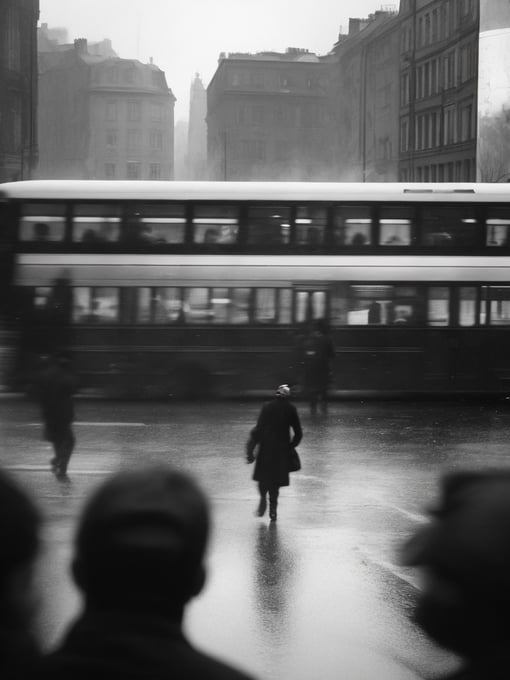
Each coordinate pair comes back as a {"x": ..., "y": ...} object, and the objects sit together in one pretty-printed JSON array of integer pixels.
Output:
[{"x": 319, "y": 594}]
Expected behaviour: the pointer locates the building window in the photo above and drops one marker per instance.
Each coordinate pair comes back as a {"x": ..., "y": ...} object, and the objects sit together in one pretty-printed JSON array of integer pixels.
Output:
[
  {"x": 449, "y": 126},
  {"x": 13, "y": 46},
  {"x": 111, "y": 139},
  {"x": 134, "y": 138},
  {"x": 109, "y": 170},
  {"x": 134, "y": 170},
  {"x": 154, "y": 171},
  {"x": 129, "y": 75},
  {"x": 157, "y": 111},
  {"x": 134, "y": 110},
  {"x": 404, "y": 135},
  {"x": 156, "y": 139},
  {"x": 111, "y": 110}
]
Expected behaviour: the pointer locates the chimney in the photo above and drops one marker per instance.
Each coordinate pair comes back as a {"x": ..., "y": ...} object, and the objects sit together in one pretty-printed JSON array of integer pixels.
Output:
[
  {"x": 81, "y": 46},
  {"x": 354, "y": 26}
]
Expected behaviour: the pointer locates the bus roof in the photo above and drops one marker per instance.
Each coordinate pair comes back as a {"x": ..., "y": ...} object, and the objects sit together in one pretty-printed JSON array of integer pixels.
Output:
[{"x": 253, "y": 191}]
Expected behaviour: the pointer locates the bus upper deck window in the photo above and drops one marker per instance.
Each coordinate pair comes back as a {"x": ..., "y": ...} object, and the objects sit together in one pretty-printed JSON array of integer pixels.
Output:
[
  {"x": 395, "y": 226},
  {"x": 353, "y": 225},
  {"x": 215, "y": 224},
  {"x": 498, "y": 227},
  {"x": 268, "y": 225},
  {"x": 155, "y": 224},
  {"x": 311, "y": 225},
  {"x": 42, "y": 222},
  {"x": 95, "y": 223},
  {"x": 449, "y": 226}
]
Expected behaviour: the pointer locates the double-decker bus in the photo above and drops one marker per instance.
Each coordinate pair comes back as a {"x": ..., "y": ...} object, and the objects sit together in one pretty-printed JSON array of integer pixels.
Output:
[{"x": 182, "y": 288}]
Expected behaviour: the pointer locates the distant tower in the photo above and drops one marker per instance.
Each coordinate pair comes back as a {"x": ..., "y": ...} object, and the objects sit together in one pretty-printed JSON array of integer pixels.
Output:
[{"x": 197, "y": 131}]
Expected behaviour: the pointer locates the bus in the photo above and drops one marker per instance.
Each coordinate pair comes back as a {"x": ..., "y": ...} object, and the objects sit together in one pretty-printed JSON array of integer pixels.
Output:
[{"x": 175, "y": 289}]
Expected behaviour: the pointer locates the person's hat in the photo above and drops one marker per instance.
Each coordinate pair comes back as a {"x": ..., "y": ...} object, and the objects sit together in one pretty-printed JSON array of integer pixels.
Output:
[
  {"x": 468, "y": 540},
  {"x": 146, "y": 524},
  {"x": 283, "y": 391}
]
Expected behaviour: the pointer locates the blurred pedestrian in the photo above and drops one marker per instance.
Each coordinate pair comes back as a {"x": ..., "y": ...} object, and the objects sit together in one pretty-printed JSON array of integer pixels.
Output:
[
  {"x": 139, "y": 560},
  {"x": 319, "y": 352},
  {"x": 56, "y": 387},
  {"x": 19, "y": 539},
  {"x": 271, "y": 438},
  {"x": 465, "y": 556}
]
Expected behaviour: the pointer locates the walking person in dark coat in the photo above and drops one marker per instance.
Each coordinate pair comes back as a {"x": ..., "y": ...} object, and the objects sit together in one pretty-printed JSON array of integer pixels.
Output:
[
  {"x": 465, "y": 554},
  {"x": 56, "y": 388},
  {"x": 319, "y": 353},
  {"x": 139, "y": 560},
  {"x": 272, "y": 436}
]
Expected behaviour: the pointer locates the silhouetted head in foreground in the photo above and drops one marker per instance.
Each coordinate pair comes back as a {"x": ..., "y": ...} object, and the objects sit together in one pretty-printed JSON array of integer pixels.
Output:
[
  {"x": 19, "y": 540},
  {"x": 141, "y": 541},
  {"x": 465, "y": 557}
]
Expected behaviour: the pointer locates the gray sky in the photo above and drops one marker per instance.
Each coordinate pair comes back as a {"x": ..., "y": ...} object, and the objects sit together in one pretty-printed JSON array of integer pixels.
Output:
[{"x": 186, "y": 36}]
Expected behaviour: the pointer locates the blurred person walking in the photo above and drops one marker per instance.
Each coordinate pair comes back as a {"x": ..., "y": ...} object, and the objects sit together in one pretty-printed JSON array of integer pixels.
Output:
[
  {"x": 138, "y": 560},
  {"x": 464, "y": 554},
  {"x": 56, "y": 387},
  {"x": 318, "y": 352},
  {"x": 19, "y": 541},
  {"x": 271, "y": 438}
]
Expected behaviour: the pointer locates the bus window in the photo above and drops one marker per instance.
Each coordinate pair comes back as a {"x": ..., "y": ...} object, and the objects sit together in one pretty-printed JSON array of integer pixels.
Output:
[
  {"x": 310, "y": 226},
  {"x": 284, "y": 305},
  {"x": 382, "y": 305},
  {"x": 95, "y": 223},
  {"x": 467, "y": 307},
  {"x": 498, "y": 227},
  {"x": 395, "y": 226},
  {"x": 95, "y": 305},
  {"x": 167, "y": 305},
  {"x": 273, "y": 305},
  {"x": 196, "y": 307},
  {"x": 265, "y": 305},
  {"x": 499, "y": 305},
  {"x": 449, "y": 226},
  {"x": 438, "y": 306},
  {"x": 42, "y": 222},
  {"x": 353, "y": 225},
  {"x": 230, "y": 305},
  {"x": 153, "y": 224},
  {"x": 268, "y": 225},
  {"x": 215, "y": 223},
  {"x": 310, "y": 305},
  {"x": 143, "y": 305}
]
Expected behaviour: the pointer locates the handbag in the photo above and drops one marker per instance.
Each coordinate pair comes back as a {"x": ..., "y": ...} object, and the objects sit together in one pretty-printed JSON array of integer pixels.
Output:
[{"x": 294, "y": 460}]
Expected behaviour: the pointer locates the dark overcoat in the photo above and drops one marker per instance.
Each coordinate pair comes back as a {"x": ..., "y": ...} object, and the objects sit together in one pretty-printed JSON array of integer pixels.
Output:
[
  {"x": 131, "y": 646},
  {"x": 272, "y": 434}
]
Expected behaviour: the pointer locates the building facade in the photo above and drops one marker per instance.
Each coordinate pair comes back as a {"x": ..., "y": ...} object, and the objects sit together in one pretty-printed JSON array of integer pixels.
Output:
[
  {"x": 269, "y": 117},
  {"x": 197, "y": 131},
  {"x": 18, "y": 85},
  {"x": 439, "y": 90},
  {"x": 102, "y": 117},
  {"x": 366, "y": 99}
]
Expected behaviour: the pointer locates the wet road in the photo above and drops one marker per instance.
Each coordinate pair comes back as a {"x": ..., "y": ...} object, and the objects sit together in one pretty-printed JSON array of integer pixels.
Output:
[{"x": 318, "y": 595}]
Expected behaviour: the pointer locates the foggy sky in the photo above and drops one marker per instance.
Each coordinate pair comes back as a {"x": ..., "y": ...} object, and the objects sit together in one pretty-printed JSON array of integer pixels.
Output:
[{"x": 186, "y": 36}]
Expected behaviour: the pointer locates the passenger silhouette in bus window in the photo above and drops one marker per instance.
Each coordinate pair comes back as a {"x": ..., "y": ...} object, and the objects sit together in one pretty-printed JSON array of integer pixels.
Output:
[
  {"x": 211, "y": 236},
  {"x": 402, "y": 315},
  {"x": 374, "y": 313},
  {"x": 41, "y": 232},
  {"x": 359, "y": 239},
  {"x": 393, "y": 240}
]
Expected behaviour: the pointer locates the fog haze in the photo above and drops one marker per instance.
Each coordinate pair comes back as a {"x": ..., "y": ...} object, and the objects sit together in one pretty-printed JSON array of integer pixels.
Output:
[{"x": 184, "y": 38}]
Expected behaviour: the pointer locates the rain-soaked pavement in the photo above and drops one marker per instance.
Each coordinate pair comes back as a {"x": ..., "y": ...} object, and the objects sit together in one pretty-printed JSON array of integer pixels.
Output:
[{"x": 318, "y": 595}]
